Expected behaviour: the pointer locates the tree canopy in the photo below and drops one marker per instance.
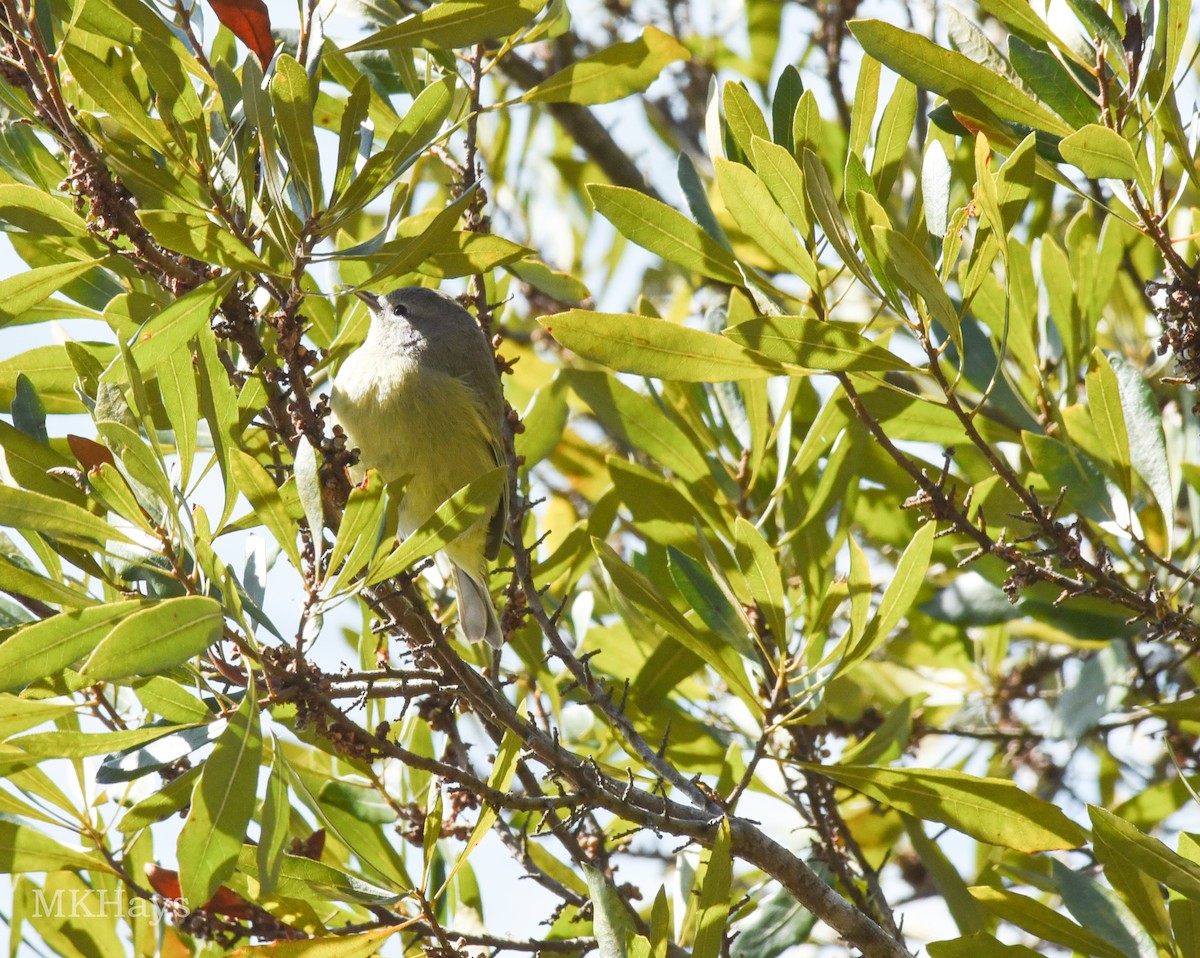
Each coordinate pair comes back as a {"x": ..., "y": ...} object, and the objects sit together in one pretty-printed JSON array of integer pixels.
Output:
[{"x": 852, "y": 460}]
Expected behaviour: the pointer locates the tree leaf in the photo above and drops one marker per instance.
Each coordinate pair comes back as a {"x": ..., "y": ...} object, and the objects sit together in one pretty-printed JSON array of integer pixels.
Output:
[
  {"x": 43, "y": 649},
  {"x": 453, "y": 24},
  {"x": 1107, "y": 414},
  {"x": 455, "y": 516},
  {"x": 1052, "y": 83},
  {"x": 751, "y": 203},
  {"x": 892, "y": 137},
  {"x": 898, "y": 597},
  {"x": 610, "y": 921},
  {"x": 48, "y": 516},
  {"x": 656, "y": 347},
  {"x": 779, "y": 170},
  {"x": 25, "y": 290},
  {"x": 293, "y": 101},
  {"x": 813, "y": 344},
  {"x": 1099, "y": 153},
  {"x": 99, "y": 82},
  {"x": 24, "y": 849},
  {"x": 156, "y": 638},
  {"x": 612, "y": 73},
  {"x": 256, "y": 484},
  {"x": 911, "y": 270},
  {"x": 742, "y": 116},
  {"x": 197, "y": 236},
  {"x": 945, "y": 72},
  {"x": 250, "y": 22},
  {"x": 660, "y": 229},
  {"x": 713, "y": 908},
  {"x": 1043, "y": 922},
  {"x": 1147, "y": 442},
  {"x": 992, "y": 810},
  {"x": 211, "y": 839},
  {"x": 358, "y": 534},
  {"x": 1118, "y": 841}
]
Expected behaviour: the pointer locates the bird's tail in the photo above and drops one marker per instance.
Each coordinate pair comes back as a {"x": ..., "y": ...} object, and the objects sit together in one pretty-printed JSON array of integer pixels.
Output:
[{"x": 476, "y": 613}]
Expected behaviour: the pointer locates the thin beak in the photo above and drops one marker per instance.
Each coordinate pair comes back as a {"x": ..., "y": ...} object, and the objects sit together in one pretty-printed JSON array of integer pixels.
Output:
[{"x": 370, "y": 299}]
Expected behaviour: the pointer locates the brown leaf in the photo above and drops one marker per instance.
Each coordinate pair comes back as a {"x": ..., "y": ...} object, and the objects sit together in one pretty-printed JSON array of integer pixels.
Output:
[
  {"x": 91, "y": 454},
  {"x": 250, "y": 23}
]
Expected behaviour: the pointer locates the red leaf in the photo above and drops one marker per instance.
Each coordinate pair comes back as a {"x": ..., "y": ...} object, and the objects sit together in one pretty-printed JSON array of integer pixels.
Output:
[
  {"x": 250, "y": 23},
  {"x": 91, "y": 455},
  {"x": 225, "y": 902}
]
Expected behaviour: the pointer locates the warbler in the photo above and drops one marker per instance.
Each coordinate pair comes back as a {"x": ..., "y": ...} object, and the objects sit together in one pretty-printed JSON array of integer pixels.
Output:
[{"x": 420, "y": 398}]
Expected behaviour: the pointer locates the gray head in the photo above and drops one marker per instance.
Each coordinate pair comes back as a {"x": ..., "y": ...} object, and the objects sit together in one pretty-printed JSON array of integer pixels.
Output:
[{"x": 430, "y": 311}]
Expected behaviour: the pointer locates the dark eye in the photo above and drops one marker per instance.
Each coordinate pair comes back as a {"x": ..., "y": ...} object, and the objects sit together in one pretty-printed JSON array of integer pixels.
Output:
[{"x": 401, "y": 310}]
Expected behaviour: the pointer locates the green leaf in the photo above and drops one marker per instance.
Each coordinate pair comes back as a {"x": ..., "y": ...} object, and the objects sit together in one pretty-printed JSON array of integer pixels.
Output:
[
  {"x": 612, "y": 73},
  {"x": 660, "y": 229},
  {"x": 358, "y": 534},
  {"x": 779, "y": 170},
  {"x": 703, "y": 595},
  {"x": 992, "y": 810},
  {"x": 1107, "y": 414},
  {"x": 945, "y": 73},
  {"x": 967, "y": 913},
  {"x": 891, "y": 139},
  {"x": 866, "y": 98},
  {"x": 899, "y": 596},
  {"x": 751, "y": 204},
  {"x": 639, "y": 590},
  {"x": 34, "y": 512},
  {"x": 911, "y": 270},
  {"x": 454, "y": 24},
  {"x": 610, "y": 921},
  {"x": 813, "y": 344},
  {"x": 1052, "y": 83},
  {"x": 107, "y": 88},
  {"x": 713, "y": 909},
  {"x": 306, "y": 879},
  {"x": 276, "y": 822},
  {"x": 743, "y": 117},
  {"x": 1099, "y": 153},
  {"x": 28, "y": 288},
  {"x": 638, "y": 420},
  {"x": 656, "y": 347},
  {"x": 38, "y": 212},
  {"x": 758, "y": 565},
  {"x": 777, "y": 924},
  {"x": 293, "y": 101},
  {"x": 181, "y": 400},
  {"x": 452, "y": 518},
  {"x": 156, "y": 638},
  {"x": 45, "y": 648},
  {"x": 1118, "y": 841},
  {"x": 978, "y": 945},
  {"x": 23, "y": 849},
  {"x": 211, "y": 839},
  {"x": 195, "y": 235},
  {"x": 1147, "y": 442},
  {"x": 1068, "y": 469},
  {"x": 308, "y": 485},
  {"x": 256, "y": 484},
  {"x": 1043, "y": 922},
  {"x": 825, "y": 207},
  {"x": 163, "y": 337}
]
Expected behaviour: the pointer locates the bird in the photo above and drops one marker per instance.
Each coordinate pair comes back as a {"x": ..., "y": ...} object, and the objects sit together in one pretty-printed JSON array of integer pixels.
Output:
[{"x": 421, "y": 398}]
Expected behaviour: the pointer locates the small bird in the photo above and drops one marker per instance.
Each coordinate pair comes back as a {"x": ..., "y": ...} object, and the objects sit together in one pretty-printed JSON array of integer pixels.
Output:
[{"x": 420, "y": 398}]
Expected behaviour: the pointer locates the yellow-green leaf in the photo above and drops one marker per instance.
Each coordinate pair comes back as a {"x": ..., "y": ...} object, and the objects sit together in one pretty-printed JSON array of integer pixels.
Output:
[
  {"x": 992, "y": 810},
  {"x": 612, "y": 73},
  {"x": 655, "y": 347}
]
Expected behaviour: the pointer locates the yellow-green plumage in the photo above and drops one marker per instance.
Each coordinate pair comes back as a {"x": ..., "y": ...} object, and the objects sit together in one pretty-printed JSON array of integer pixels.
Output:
[{"x": 421, "y": 398}]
